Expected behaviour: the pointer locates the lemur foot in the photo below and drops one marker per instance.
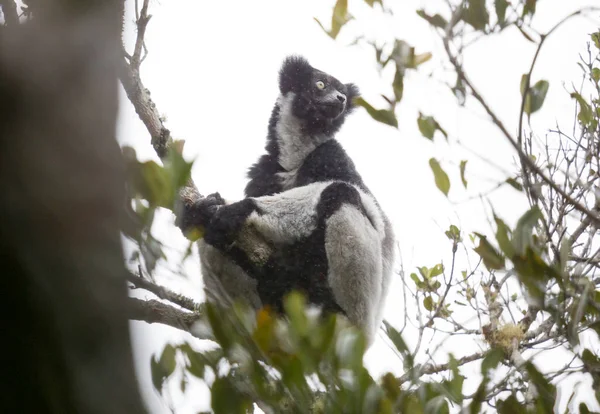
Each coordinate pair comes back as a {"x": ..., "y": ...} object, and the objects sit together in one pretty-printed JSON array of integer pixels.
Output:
[{"x": 198, "y": 214}]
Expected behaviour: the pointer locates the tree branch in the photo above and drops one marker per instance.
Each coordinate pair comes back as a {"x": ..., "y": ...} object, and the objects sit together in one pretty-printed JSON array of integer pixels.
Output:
[
  {"x": 9, "y": 9},
  {"x": 163, "y": 293},
  {"x": 145, "y": 107},
  {"x": 530, "y": 164},
  {"x": 154, "y": 311}
]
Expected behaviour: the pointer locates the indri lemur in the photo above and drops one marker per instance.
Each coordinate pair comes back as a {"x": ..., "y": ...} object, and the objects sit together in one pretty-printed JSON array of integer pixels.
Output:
[{"x": 309, "y": 222}]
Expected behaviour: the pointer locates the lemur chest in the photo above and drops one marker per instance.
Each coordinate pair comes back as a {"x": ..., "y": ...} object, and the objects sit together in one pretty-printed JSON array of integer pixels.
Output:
[
  {"x": 294, "y": 148},
  {"x": 287, "y": 179}
]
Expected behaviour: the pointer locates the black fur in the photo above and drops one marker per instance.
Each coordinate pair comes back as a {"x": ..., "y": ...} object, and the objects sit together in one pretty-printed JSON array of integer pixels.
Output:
[
  {"x": 328, "y": 161},
  {"x": 303, "y": 265},
  {"x": 226, "y": 223}
]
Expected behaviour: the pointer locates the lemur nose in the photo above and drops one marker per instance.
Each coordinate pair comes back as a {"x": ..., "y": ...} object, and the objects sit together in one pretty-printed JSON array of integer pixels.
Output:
[{"x": 341, "y": 98}]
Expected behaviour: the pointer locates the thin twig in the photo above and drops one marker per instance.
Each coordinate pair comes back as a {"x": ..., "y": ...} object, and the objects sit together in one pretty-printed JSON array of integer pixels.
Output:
[
  {"x": 530, "y": 164},
  {"x": 142, "y": 22},
  {"x": 429, "y": 369}
]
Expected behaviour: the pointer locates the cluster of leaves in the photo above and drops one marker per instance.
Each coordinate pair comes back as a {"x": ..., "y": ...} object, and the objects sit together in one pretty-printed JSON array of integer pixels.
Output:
[
  {"x": 151, "y": 186},
  {"x": 310, "y": 363}
]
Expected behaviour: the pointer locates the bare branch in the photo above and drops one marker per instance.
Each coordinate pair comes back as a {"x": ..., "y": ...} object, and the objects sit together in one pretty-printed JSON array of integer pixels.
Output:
[
  {"x": 142, "y": 22},
  {"x": 163, "y": 293},
  {"x": 154, "y": 311}
]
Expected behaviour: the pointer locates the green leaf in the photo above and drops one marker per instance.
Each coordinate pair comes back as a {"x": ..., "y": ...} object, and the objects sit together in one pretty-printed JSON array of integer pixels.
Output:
[
  {"x": 350, "y": 348},
  {"x": 416, "y": 279},
  {"x": 511, "y": 406},
  {"x": 405, "y": 57},
  {"x": 586, "y": 115},
  {"x": 163, "y": 368},
  {"x": 428, "y": 303},
  {"x": 428, "y": 125},
  {"x": 436, "y": 270},
  {"x": 514, "y": 184},
  {"x": 596, "y": 39},
  {"x": 156, "y": 373},
  {"x": 596, "y": 74},
  {"x": 463, "y": 166},
  {"x": 177, "y": 168},
  {"x": 295, "y": 305},
  {"x": 456, "y": 384},
  {"x": 533, "y": 272},
  {"x": 491, "y": 361},
  {"x": 476, "y": 14},
  {"x": 441, "y": 178},
  {"x": 154, "y": 184},
  {"x": 523, "y": 234},
  {"x": 167, "y": 360},
  {"x": 226, "y": 399},
  {"x": 398, "y": 84},
  {"x": 339, "y": 18},
  {"x": 490, "y": 256},
  {"x": 503, "y": 237},
  {"x": 535, "y": 96},
  {"x": 479, "y": 397},
  {"x": 546, "y": 391},
  {"x": 435, "y": 20},
  {"x": 371, "y": 3},
  {"x": 529, "y": 8},
  {"x": 501, "y": 6},
  {"x": 453, "y": 233},
  {"x": 577, "y": 313},
  {"x": 396, "y": 338},
  {"x": 382, "y": 115}
]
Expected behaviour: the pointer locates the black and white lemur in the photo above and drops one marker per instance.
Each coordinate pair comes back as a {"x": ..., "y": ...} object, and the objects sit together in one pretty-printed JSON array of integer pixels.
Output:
[{"x": 308, "y": 221}]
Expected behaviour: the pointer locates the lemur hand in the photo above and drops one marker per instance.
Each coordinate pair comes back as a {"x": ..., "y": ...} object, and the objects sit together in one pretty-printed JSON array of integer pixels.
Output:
[{"x": 198, "y": 214}]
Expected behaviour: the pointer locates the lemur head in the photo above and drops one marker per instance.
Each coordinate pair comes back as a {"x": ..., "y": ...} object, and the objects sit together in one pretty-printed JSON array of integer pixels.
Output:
[{"x": 319, "y": 98}]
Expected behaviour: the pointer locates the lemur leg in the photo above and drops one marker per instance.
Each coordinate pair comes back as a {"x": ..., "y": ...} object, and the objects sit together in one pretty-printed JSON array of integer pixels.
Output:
[
  {"x": 353, "y": 242},
  {"x": 223, "y": 279}
]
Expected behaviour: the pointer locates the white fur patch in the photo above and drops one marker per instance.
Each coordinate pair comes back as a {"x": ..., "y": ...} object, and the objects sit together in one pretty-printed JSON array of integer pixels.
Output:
[
  {"x": 289, "y": 216},
  {"x": 355, "y": 267},
  {"x": 294, "y": 143}
]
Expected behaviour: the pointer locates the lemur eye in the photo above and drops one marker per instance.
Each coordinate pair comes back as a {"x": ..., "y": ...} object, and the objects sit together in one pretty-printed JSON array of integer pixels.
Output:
[{"x": 320, "y": 84}]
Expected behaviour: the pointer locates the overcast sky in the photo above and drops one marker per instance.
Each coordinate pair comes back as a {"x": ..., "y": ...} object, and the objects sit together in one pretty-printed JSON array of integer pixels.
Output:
[{"x": 212, "y": 70}]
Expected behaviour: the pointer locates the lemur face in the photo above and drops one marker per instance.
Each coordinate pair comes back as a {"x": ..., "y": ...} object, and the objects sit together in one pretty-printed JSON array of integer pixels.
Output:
[{"x": 318, "y": 97}]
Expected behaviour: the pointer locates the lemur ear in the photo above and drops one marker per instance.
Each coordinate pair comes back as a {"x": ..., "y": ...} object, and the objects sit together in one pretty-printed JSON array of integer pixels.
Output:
[
  {"x": 294, "y": 74},
  {"x": 352, "y": 92}
]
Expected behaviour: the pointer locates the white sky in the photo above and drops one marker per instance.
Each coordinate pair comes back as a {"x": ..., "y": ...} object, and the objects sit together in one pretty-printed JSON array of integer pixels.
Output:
[{"x": 212, "y": 70}]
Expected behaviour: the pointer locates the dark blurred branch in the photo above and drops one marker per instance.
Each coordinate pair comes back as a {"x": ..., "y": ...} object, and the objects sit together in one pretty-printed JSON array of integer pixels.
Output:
[
  {"x": 9, "y": 9},
  {"x": 163, "y": 293}
]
